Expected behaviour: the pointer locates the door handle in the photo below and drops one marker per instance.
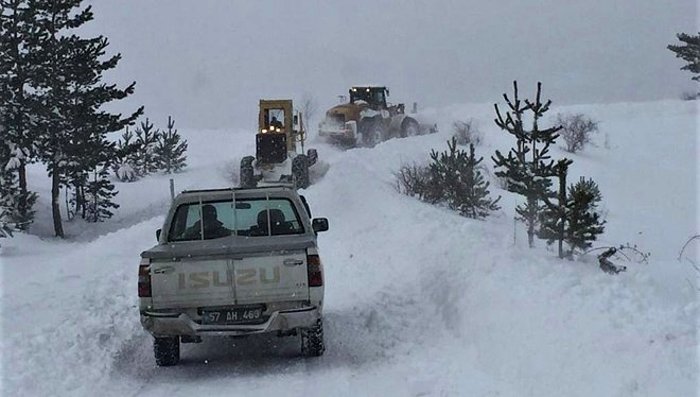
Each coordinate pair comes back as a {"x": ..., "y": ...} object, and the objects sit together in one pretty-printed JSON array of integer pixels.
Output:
[
  {"x": 293, "y": 262},
  {"x": 164, "y": 270}
]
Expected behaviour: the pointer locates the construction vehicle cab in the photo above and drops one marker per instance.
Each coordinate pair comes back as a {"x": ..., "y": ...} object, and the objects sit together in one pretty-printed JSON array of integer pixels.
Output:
[
  {"x": 277, "y": 159},
  {"x": 375, "y": 97}
]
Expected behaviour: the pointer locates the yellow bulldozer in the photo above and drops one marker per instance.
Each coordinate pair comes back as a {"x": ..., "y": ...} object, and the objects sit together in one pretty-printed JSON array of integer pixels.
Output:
[
  {"x": 279, "y": 148},
  {"x": 367, "y": 119}
]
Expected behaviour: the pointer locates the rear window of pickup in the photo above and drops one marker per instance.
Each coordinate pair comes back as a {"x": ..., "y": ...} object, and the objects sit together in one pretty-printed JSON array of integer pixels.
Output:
[{"x": 252, "y": 218}]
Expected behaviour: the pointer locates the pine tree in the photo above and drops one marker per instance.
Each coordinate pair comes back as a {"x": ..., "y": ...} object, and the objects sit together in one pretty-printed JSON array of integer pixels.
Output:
[
  {"x": 455, "y": 179},
  {"x": 18, "y": 68},
  {"x": 97, "y": 153},
  {"x": 528, "y": 166},
  {"x": 553, "y": 219},
  {"x": 9, "y": 190},
  {"x": 125, "y": 158},
  {"x": 99, "y": 194},
  {"x": 71, "y": 94},
  {"x": 475, "y": 202},
  {"x": 146, "y": 142},
  {"x": 18, "y": 204},
  {"x": 170, "y": 152},
  {"x": 582, "y": 216},
  {"x": 689, "y": 52}
]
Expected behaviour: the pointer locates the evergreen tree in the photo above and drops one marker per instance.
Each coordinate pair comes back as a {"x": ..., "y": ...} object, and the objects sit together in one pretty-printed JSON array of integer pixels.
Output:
[
  {"x": 125, "y": 163},
  {"x": 70, "y": 95},
  {"x": 476, "y": 203},
  {"x": 170, "y": 151},
  {"x": 17, "y": 205},
  {"x": 9, "y": 190},
  {"x": 97, "y": 153},
  {"x": 18, "y": 67},
  {"x": 528, "y": 166},
  {"x": 553, "y": 219},
  {"x": 99, "y": 194},
  {"x": 689, "y": 52},
  {"x": 582, "y": 216},
  {"x": 455, "y": 178},
  {"x": 146, "y": 143}
]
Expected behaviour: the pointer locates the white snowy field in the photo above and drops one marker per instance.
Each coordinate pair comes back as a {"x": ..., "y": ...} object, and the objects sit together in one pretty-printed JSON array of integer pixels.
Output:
[{"x": 419, "y": 301}]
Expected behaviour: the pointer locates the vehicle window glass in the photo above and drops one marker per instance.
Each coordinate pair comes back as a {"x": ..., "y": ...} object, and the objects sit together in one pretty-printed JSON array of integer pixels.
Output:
[
  {"x": 378, "y": 97},
  {"x": 274, "y": 118},
  {"x": 254, "y": 218},
  {"x": 267, "y": 217}
]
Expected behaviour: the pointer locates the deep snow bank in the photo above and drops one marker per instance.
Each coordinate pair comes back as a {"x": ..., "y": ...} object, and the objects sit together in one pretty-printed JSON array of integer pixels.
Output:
[{"x": 419, "y": 300}]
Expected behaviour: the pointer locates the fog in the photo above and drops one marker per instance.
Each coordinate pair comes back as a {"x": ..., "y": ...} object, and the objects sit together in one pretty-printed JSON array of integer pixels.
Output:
[{"x": 208, "y": 62}]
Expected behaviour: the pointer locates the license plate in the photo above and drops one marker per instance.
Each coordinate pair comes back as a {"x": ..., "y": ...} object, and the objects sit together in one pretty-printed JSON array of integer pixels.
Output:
[{"x": 237, "y": 315}]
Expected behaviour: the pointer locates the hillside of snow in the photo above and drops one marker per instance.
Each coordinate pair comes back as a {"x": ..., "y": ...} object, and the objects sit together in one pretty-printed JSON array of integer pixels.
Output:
[{"x": 419, "y": 301}]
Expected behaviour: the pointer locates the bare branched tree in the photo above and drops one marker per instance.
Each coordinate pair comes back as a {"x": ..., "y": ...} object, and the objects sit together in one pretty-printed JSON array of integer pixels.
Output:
[
  {"x": 466, "y": 132},
  {"x": 576, "y": 130},
  {"x": 308, "y": 107}
]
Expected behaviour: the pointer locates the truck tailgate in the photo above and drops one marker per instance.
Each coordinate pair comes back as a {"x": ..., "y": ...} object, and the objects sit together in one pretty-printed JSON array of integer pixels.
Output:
[
  {"x": 227, "y": 282},
  {"x": 271, "y": 278},
  {"x": 191, "y": 283}
]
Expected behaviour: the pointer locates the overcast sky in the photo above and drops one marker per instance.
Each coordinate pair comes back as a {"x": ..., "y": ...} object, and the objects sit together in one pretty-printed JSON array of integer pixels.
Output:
[{"x": 208, "y": 62}]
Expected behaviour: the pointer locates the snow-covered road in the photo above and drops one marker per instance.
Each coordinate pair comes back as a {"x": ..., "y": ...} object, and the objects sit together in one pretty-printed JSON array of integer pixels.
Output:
[{"x": 419, "y": 301}]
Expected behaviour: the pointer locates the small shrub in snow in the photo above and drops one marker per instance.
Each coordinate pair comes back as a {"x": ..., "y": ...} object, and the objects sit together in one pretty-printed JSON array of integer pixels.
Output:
[
  {"x": 125, "y": 162},
  {"x": 412, "y": 180},
  {"x": 611, "y": 256},
  {"x": 466, "y": 133},
  {"x": 146, "y": 142},
  {"x": 170, "y": 150},
  {"x": 584, "y": 222},
  {"x": 576, "y": 130},
  {"x": 149, "y": 151},
  {"x": 452, "y": 178},
  {"x": 99, "y": 194},
  {"x": 578, "y": 223}
]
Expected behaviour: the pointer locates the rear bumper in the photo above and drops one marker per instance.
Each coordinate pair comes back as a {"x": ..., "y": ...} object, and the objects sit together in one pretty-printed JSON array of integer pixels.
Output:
[{"x": 175, "y": 323}]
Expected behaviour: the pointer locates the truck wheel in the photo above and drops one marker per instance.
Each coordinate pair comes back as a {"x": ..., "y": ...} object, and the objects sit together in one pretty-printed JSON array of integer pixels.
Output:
[
  {"x": 166, "y": 351},
  {"x": 312, "y": 340},
  {"x": 409, "y": 127},
  {"x": 247, "y": 174},
  {"x": 312, "y": 154},
  {"x": 374, "y": 134},
  {"x": 300, "y": 171}
]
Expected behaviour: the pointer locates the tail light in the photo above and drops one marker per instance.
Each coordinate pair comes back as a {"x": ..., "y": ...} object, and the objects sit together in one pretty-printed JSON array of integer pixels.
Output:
[
  {"x": 145, "y": 278},
  {"x": 315, "y": 270}
]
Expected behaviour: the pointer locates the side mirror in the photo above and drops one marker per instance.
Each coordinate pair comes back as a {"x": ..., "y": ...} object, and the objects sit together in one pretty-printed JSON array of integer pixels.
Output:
[
  {"x": 296, "y": 119},
  {"x": 158, "y": 234},
  {"x": 319, "y": 224}
]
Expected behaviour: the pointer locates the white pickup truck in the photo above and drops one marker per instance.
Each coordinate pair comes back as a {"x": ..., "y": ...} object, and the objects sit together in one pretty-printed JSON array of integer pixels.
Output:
[{"x": 233, "y": 262}]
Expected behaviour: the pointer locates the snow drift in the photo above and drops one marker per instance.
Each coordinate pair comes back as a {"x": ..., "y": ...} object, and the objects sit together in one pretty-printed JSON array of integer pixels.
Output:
[{"x": 419, "y": 301}]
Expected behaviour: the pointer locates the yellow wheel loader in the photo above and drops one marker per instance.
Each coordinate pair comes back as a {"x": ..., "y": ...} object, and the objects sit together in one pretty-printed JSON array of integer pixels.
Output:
[
  {"x": 279, "y": 148},
  {"x": 368, "y": 119}
]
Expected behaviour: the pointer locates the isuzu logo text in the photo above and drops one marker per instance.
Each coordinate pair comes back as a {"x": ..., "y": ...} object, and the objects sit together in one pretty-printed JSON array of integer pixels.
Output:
[{"x": 226, "y": 278}]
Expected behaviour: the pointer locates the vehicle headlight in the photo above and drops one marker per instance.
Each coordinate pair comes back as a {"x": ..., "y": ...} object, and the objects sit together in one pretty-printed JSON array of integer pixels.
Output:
[{"x": 264, "y": 130}]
